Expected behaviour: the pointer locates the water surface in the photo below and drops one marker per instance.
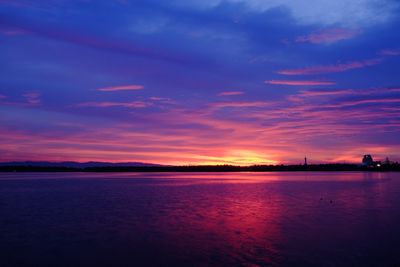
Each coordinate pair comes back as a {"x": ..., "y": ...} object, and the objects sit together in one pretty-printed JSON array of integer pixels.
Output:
[{"x": 200, "y": 219}]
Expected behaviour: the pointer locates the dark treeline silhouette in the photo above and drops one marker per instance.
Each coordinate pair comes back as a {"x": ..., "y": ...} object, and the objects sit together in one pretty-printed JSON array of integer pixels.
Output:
[{"x": 203, "y": 168}]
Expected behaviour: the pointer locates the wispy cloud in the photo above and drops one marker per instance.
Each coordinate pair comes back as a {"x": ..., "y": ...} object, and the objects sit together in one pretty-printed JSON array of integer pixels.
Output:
[
  {"x": 298, "y": 83},
  {"x": 254, "y": 132},
  {"x": 390, "y": 52},
  {"x": 341, "y": 67},
  {"x": 161, "y": 99},
  {"x": 208, "y": 118},
  {"x": 364, "y": 102},
  {"x": 93, "y": 41},
  {"x": 317, "y": 12},
  {"x": 133, "y": 104},
  {"x": 13, "y": 32},
  {"x": 132, "y": 87},
  {"x": 32, "y": 98},
  {"x": 328, "y": 36},
  {"x": 304, "y": 95},
  {"x": 230, "y": 93},
  {"x": 238, "y": 104},
  {"x": 317, "y": 93}
]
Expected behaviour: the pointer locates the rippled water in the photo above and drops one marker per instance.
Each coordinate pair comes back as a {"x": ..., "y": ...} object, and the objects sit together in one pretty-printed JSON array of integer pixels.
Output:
[{"x": 206, "y": 219}]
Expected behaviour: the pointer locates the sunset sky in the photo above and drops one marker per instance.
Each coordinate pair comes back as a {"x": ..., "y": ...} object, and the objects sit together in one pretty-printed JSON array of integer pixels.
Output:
[{"x": 199, "y": 81}]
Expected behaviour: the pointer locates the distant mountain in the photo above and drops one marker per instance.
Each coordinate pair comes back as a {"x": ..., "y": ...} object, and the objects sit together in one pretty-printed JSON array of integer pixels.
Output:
[{"x": 72, "y": 164}]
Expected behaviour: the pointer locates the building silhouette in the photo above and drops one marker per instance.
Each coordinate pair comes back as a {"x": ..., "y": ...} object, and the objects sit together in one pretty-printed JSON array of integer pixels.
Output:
[{"x": 367, "y": 161}]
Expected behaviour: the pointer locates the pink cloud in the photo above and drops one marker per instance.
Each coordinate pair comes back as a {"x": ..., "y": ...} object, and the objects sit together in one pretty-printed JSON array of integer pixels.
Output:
[
  {"x": 197, "y": 136},
  {"x": 32, "y": 98},
  {"x": 230, "y": 93},
  {"x": 133, "y": 104},
  {"x": 343, "y": 92},
  {"x": 332, "y": 68},
  {"x": 328, "y": 36},
  {"x": 298, "y": 83},
  {"x": 364, "y": 101},
  {"x": 317, "y": 93},
  {"x": 14, "y": 32},
  {"x": 304, "y": 95},
  {"x": 390, "y": 52},
  {"x": 210, "y": 134},
  {"x": 3, "y": 97},
  {"x": 238, "y": 104},
  {"x": 164, "y": 100},
  {"x": 121, "y": 88}
]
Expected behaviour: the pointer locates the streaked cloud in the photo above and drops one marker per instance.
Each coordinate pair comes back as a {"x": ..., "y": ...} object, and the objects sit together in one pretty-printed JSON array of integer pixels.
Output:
[
  {"x": 194, "y": 61},
  {"x": 133, "y": 104},
  {"x": 390, "y": 52},
  {"x": 340, "y": 67},
  {"x": 89, "y": 40},
  {"x": 304, "y": 95},
  {"x": 162, "y": 99},
  {"x": 230, "y": 93},
  {"x": 238, "y": 104},
  {"x": 328, "y": 36},
  {"x": 132, "y": 87},
  {"x": 298, "y": 82},
  {"x": 317, "y": 93},
  {"x": 353, "y": 103},
  {"x": 32, "y": 98},
  {"x": 13, "y": 32},
  {"x": 197, "y": 136}
]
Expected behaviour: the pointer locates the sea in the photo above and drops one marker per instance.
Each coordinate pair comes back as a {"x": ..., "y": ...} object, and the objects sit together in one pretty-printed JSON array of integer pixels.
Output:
[{"x": 200, "y": 219}]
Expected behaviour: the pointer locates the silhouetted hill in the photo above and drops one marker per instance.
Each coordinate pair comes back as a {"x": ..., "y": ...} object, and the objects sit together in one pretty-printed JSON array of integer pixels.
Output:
[{"x": 73, "y": 164}]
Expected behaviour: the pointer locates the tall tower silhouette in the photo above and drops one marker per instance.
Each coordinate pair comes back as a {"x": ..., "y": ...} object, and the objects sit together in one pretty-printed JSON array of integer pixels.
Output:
[{"x": 305, "y": 161}]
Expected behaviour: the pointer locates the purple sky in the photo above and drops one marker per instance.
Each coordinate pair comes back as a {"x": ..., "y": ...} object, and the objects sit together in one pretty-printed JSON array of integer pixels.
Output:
[{"x": 199, "y": 81}]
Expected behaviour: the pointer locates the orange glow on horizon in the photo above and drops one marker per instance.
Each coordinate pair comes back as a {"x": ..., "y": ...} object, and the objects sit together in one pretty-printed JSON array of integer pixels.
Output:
[
  {"x": 233, "y": 157},
  {"x": 234, "y": 132}
]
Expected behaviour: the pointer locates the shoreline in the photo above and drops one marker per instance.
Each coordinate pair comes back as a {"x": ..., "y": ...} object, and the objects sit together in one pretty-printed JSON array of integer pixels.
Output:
[{"x": 216, "y": 168}]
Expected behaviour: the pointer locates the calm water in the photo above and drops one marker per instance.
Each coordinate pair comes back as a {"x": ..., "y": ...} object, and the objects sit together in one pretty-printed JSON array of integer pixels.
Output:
[{"x": 210, "y": 219}]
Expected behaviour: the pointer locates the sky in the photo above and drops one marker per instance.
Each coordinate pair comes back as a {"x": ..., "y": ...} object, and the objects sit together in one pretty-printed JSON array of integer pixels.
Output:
[{"x": 200, "y": 81}]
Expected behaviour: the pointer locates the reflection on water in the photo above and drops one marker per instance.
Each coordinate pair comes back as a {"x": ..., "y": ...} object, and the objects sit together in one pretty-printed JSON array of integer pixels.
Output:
[{"x": 199, "y": 219}]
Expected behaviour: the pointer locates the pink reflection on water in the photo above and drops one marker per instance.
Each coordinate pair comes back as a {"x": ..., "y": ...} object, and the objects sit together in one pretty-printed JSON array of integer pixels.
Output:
[{"x": 203, "y": 219}]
